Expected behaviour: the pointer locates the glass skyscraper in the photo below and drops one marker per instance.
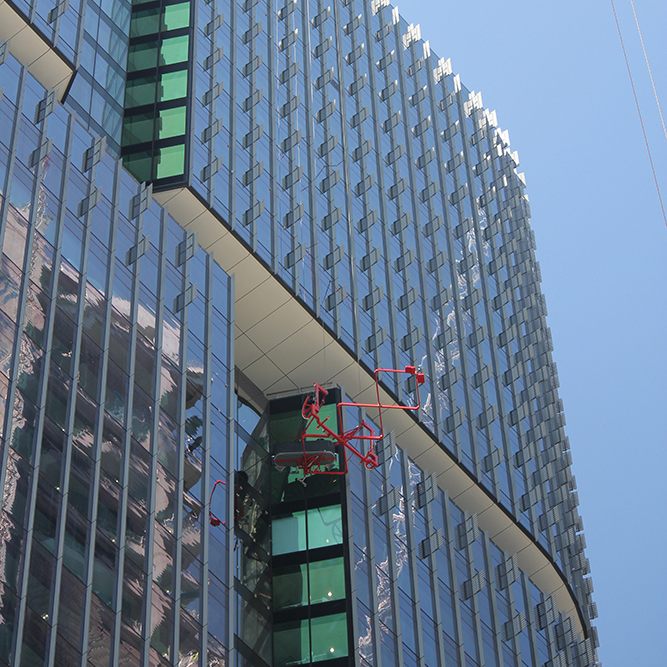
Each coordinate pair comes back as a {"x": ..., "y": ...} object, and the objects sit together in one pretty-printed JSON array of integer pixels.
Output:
[{"x": 205, "y": 208}]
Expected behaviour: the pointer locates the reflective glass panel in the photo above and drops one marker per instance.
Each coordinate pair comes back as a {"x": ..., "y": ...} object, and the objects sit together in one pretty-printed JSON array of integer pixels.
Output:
[
  {"x": 289, "y": 533},
  {"x": 290, "y": 587},
  {"x": 327, "y": 581},
  {"x": 290, "y": 644},
  {"x": 172, "y": 122},
  {"x": 176, "y": 16},
  {"x": 328, "y": 637},
  {"x": 325, "y": 527},
  {"x": 171, "y": 161},
  {"x": 140, "y": 92},
  {"x": 174, "y": 50},
  {"x": 174, "y": 85}
]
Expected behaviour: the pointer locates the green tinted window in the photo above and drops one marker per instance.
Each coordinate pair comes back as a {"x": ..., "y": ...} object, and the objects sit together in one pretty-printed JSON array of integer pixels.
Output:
[
  {"x": 290, "y": 644},
  {"x": 139, "y": 165},
  {"x": 176, "y": 16},
  {"x": 138, "y": 129},
  {"x": 172, "y": 122},
  {"x": 142, "y": 56},
  {"x": 325, "y": 527},
  {"x": 174, "y": 85},
  {"x": 171, "y": 161},
  {"x": 328, "y": 637},
  {"x": 290, "y": 587},
  {"x": 289, "y": 534},
  {"x": 140, "y": 92},
  {"x": 327, "y": 580},
  {"x": 174, "y": 50},
  {"x": 145, "y": 22}
]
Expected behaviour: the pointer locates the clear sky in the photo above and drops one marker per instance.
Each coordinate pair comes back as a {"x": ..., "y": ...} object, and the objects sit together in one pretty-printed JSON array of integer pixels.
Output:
[{"x": 555, "y": 74}]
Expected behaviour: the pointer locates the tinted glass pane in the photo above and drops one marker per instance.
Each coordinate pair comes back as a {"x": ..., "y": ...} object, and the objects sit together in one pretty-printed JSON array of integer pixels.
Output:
[
  {"x": 289, "y": 534},
  {"x": 176, "y": 16},
  {"x": 171, "y": 161},
  {"x": 142, "y": 56},
  {"x": 290, "y": 588},
  {"x": 327, "y": 581},
  {"x": 138, "y": 129},
  {"x": 174, "y": 85},
  {"x": 325, "y": 527},
  {"x": 174, "y": 50},
  {"x": 145, "y": 22},
  {"x": 173, "y": 122},
  {"x": 290, "y": 644},
  {"x": 329, "y": 637},
  {"x": 139, "y": 165},
  {"x": 140, "y": 92}
]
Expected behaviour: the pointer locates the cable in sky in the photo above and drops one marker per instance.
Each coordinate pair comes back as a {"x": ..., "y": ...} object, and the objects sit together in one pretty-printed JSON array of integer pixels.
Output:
[
  {"x": 655, "y": 92},
  {"x": 641, "y": 120}
]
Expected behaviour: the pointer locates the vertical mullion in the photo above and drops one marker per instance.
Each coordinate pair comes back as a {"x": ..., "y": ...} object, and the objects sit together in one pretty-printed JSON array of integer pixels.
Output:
[
  {"x": 99, "y": 426},
  {"x": 126, "y": 445},
  {"x": 69, "y": 421},
  {"x": 14, "y": 373},
  {"x": 155, "y": 426}
]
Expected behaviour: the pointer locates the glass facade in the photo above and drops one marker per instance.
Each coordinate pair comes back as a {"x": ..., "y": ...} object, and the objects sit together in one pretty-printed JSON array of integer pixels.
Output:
[{"x": 144, "y": 521}]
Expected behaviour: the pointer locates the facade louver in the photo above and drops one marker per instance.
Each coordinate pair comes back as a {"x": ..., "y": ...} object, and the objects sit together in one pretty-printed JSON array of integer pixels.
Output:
[{"x": 206, "y": 207}]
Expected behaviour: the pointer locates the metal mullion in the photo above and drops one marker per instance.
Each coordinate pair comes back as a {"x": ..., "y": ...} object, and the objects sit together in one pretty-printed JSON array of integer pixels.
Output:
[
  {"x": 412, "y": 560},
  {"x": 13, "y": 383},
  {"x": 515, "y": 641},
  {"x": 4, "y": 208},
  {"x": 491, "y": 334},
  {"x": 354, "y": 297},
  {"x": 232, "y": 116},
  {"x": 490, "y": 582},
  {"x": 435, "y": 586},
  {"x": 428, "y": 338},
  {"x": 253, "y": 121},
  {"x": 372, "y": 571},
  {"x": 479, "y": 239},
  {"x": 206, "y": 451},
  {"x": 456, "y": 605},
  {"x": 393, "y": 575},
  {"x": 474, "y": 603},
  {"x": 99, "y": 426},
  {"x": 127, "y": 441},
  {"x": 273, "y": 152},
  {"x": 155, "y": 426},
  {"x": 312, "y": 164},
  {"x": 69, "y": 423},
  {"x": 180, "y": 484},
  {"x": 377, "y": 136},
  {"x": 447, "y": 225},
  {"x": 212, "y": 79},
  {"x": 231, "y": 458},
  {"x": 530, "y": 620}
]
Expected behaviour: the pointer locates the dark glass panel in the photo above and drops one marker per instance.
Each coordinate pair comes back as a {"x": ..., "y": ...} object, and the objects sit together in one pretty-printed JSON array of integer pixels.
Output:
[
  {"x": 145, "y": 22},
  {"x": 140, "y": 91},
  {"x": 142, "y": 56},
  {"x": 138, "y": 129}
]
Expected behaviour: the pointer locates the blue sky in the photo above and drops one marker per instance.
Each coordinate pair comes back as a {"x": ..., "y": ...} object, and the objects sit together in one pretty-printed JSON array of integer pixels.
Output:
[{"x": 555, "y": 74}]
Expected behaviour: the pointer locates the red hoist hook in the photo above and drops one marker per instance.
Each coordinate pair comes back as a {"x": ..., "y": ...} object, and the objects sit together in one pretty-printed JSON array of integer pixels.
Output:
[{"x": 211, "y": 517}]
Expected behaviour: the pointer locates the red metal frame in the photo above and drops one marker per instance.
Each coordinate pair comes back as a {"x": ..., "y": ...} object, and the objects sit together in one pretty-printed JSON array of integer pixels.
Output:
[
  {"x": 310, "y": 412},
  {"x": 214, "y": 521}
]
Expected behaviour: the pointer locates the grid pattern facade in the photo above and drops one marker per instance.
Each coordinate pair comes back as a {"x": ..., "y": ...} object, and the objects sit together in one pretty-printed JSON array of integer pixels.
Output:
[
  {"x": 355, "y": 166},
  {"x": 116, "y": 368}
]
